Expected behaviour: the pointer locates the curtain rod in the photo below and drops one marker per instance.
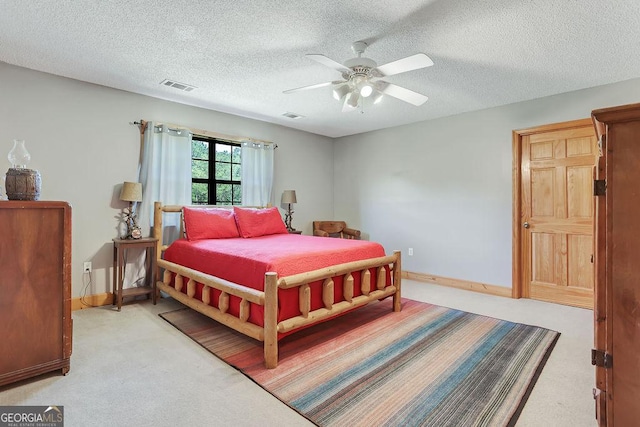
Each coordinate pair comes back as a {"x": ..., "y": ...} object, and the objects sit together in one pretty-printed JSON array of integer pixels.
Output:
[{"x": 143, "y": 126}]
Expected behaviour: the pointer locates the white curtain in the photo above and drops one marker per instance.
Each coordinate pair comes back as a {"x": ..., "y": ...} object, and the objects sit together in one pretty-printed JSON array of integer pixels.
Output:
[
  {"x": 165, "y": 174},
  {"x": 257, "y": 173}
]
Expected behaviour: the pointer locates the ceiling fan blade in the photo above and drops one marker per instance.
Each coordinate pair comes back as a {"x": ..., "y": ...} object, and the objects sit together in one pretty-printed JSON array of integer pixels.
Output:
[
  {"x": 401, "y": 93},
  {"x": 328, "y": 62},
  {"x": 299, "y": 89},
  {"x": 410, "y": 63}
]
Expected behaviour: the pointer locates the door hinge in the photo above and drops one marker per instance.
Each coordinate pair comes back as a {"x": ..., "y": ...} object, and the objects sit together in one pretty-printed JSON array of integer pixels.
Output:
[
  {"x": 602, "y": 359},
  {"x": 599, "y": 187}
]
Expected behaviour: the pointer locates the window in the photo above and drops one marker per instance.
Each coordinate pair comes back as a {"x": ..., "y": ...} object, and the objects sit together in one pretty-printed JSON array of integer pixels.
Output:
[{"x": 215, "y": 172}]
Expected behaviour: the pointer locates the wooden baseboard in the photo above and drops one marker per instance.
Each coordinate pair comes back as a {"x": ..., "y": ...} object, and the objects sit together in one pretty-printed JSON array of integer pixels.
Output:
[
  {"x": 91, "y": 301},
  {"x": 500, "y": 291},
  {"x": 107, "y": 297}
]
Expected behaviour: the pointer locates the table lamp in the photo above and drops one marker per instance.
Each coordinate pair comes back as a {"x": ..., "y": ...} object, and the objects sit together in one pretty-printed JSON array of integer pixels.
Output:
[
  {"x": 289, "y": 197},
  {"x": 131, "y": 192}
]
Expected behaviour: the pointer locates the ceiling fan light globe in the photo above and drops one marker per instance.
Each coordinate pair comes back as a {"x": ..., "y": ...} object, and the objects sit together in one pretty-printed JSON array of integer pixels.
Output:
[
  {"x": 340, "y": 91},
  {"x": 366, "y": 90},
  {"x": 352, "y": 99}
]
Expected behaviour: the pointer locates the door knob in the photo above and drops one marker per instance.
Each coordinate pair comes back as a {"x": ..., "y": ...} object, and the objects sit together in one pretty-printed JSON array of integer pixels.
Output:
[{"x": 525, "y": 225}]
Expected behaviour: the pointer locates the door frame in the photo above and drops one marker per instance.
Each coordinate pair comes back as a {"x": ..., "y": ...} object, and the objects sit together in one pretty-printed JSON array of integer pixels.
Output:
[{"x": 517, "y": 286}]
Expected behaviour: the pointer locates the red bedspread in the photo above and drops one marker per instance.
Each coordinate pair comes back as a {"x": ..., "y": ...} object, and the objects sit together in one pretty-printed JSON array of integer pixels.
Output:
[{"x": 245, "y": 261}]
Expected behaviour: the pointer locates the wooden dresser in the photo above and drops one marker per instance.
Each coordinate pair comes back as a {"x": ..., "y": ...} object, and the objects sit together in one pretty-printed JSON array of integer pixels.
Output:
[
  {"x": 35, "y": 288},
  {"x": 617, "y": 263}
]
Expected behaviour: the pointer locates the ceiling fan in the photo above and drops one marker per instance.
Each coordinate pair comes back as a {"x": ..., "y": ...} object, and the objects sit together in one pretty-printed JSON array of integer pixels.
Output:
[{"x": 362, "y": 78}]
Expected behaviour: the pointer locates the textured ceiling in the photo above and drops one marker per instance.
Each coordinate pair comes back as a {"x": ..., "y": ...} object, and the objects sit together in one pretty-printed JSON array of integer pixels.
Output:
[{"x": 240, "y": 55}]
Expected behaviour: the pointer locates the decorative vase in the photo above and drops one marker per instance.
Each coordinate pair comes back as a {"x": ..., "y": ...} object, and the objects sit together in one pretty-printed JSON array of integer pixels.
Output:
[{"x": 21, "y": 183}]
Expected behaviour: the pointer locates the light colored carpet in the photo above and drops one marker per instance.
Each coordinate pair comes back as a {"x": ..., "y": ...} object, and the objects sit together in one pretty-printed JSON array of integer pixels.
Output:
[{"x": 133, "y": 368}]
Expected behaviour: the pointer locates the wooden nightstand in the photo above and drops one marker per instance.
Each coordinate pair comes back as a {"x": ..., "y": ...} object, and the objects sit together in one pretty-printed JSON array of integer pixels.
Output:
[
  {"x": 120, "y": 247},
  {"x": 295, "y": 231}
]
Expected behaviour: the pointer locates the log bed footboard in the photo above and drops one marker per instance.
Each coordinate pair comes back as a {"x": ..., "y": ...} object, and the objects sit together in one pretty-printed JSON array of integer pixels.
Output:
[{"x": 269, "y": 297}]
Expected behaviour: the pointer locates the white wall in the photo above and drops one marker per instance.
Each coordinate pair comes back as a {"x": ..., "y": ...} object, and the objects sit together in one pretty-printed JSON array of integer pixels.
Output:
[
  {"x": 81, "y": 141},
  {"x": 444, "y": 187}
]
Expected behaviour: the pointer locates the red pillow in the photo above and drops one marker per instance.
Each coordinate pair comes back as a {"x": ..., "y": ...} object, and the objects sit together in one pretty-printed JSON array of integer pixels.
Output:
[
  {"x": 209, "y": 223},
  {"x": 259, "y": 222}
]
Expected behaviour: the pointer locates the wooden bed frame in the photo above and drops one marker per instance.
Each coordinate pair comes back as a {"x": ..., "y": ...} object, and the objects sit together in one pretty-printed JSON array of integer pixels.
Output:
[{"x": 269, "y": 297}]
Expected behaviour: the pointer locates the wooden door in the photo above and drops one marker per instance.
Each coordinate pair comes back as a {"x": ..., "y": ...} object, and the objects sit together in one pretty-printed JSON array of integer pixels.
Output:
[
  {"x": 617, "y": 314},
  {"x": 556, "y": 214}
]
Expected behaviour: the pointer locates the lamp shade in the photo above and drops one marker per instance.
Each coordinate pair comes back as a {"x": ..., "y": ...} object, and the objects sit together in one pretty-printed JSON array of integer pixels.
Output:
[
  {"x": 289, "y": 196},
  {"x": 131, "y": 192}
]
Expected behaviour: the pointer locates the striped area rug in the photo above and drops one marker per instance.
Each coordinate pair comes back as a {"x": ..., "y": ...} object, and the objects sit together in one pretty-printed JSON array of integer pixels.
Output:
[{"x": 427, "y": 365}]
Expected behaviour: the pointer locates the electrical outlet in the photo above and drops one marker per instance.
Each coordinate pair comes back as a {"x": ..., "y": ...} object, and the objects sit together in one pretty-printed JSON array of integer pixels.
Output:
[
  {"x": 87, "y": 267},
  {"x": 410, "y": 251}
]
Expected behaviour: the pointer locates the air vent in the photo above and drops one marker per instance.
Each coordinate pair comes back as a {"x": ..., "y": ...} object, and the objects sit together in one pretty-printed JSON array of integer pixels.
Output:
[
  {"x": 176, "y": 85},
  {"x": 293, "y": 116}
]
